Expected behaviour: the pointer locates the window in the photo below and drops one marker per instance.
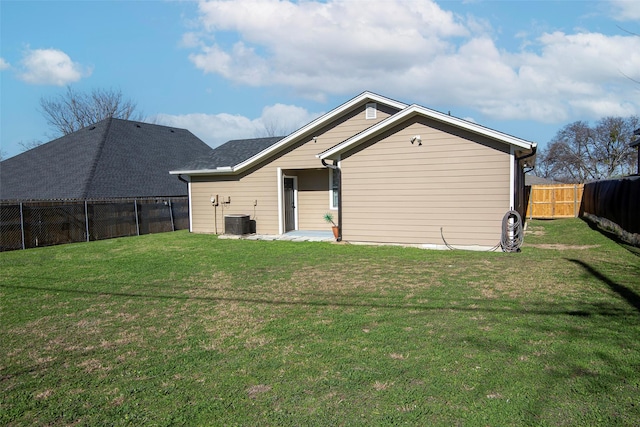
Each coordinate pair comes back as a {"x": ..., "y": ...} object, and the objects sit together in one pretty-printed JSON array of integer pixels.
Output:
[
  {"x": 371, "y": 111},
  {"x": 334, "y": 182}
]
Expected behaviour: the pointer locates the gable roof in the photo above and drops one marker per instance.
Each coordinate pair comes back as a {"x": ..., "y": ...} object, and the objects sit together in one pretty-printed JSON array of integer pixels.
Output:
[
  {"x": 417, "y": 110},
  {"x": 232, "y": 152},
  {"x": 110, "y": 159},
  {"x": 285, "y": 142}
]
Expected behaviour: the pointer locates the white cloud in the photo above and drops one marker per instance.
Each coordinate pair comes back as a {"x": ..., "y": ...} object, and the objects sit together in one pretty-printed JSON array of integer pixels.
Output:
[
  {"x": 4, "y": 64},
  {"x": 417, "y": 51},
  {"x": 50, "y": 67},
  {"x": 625, "y": 10},
  {"x": 216, "y": 129}
]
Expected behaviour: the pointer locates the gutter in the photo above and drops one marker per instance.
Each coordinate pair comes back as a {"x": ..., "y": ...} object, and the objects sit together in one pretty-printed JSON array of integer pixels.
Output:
[
  {"x": 534, "y": 149},
  {"x": 335, "y": 167}
]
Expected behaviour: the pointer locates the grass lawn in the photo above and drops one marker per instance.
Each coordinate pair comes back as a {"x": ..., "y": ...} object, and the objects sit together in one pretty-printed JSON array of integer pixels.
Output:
[{"x": 186, "y": 329}]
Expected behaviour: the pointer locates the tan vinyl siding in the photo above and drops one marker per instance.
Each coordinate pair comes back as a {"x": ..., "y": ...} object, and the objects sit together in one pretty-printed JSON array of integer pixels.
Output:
[
  {"x": 261, "y": 183},
  {"x": 394, "y": 191},
  {"x": 313, "y": 199}
]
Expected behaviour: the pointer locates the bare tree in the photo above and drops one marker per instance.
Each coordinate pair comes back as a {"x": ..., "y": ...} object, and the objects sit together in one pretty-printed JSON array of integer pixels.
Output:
[
  {"x": 580, "y": 152},
  {"x": 614, "y": 134},
  {"x": 273, "y": 128},
  {"x": 73, "y": 110},
  {"x": 30, "y": 144}
]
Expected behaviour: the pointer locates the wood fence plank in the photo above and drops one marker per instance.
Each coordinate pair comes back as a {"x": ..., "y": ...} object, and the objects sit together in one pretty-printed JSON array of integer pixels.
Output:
[{"x": 555, "y": 201}]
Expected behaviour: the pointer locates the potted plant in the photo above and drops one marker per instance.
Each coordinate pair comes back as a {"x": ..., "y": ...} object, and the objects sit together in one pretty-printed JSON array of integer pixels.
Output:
[{"x": 329, "y": 218}]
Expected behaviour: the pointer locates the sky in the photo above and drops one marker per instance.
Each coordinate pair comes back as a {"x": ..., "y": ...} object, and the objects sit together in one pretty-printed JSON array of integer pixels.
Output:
[{"x": 240, "y": 69}]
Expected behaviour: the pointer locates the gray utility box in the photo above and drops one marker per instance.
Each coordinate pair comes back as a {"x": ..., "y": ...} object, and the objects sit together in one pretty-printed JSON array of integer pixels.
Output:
[{"x": 237, "y": 224}]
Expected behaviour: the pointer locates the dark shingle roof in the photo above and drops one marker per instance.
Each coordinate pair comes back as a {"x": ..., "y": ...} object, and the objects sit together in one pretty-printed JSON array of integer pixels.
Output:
[
  {"x": 113, "y": 158},
  {"x": 536, "y": 180},
  {"x": 232, "y": 153}
]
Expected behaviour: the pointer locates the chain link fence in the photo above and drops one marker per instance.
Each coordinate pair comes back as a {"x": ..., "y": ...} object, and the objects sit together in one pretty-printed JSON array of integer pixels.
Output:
[{"x": 33, "y": 224}]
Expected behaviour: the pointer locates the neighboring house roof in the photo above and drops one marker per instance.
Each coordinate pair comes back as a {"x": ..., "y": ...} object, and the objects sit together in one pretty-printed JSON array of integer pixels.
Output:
[
  {"x": 283, "y": 143},
  {"x": 233, "y": 152},
  {"x": 416, "y": 110},
  {"x": 112, "y": 158},
  {"x": 537, "y": 180}
]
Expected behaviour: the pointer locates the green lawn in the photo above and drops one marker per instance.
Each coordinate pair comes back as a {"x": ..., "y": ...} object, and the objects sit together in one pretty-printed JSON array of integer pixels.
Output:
[{"x": 186, "y": 329}]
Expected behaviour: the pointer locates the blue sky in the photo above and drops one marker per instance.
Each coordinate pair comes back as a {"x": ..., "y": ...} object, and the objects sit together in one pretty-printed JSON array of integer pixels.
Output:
[{"x": 231, "y": 69}]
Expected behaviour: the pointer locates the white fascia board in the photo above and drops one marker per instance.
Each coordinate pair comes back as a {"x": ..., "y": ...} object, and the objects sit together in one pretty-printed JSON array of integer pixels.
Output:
[
  {"x": 226, "y": 170},
  {"x": 413, "y": 110},
  {"x": 316, "y": 124},
  {"x": 306, "y": 130}
]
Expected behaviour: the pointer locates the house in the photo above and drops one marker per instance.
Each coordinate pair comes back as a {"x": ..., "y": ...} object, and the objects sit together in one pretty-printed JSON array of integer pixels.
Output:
[
  {"x": 390, "y": 173},
  {"x": 113, "y": 158},
  {"x": 530, "y": 180}
]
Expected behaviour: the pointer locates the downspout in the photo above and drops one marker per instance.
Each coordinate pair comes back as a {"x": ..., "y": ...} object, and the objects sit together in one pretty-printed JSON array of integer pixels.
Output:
[
  {"x": 335, "y": 167},
  {"x": 526, "y": 156},
  {"x": 534, "y": 148}
]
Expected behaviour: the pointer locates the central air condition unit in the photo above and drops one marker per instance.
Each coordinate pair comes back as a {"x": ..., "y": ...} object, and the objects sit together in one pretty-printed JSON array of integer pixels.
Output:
[{"x": 237, "y": 224}]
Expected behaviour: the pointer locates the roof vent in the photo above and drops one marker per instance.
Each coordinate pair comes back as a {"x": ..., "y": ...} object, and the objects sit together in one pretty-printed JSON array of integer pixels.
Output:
[
  {"x": 371, "y": 111},
  {"x": 92, "y": 128},
  {"x": 137, "y": 126}
]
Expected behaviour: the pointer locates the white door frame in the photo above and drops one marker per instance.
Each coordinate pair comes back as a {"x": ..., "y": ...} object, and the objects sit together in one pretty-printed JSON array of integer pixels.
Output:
[
  {"x": 280, "y": 177},
  {"x": 295, "y": 201}
]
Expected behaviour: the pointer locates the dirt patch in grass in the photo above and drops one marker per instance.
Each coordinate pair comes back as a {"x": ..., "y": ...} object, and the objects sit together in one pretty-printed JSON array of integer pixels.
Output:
[{"x": 257, "y": 390}]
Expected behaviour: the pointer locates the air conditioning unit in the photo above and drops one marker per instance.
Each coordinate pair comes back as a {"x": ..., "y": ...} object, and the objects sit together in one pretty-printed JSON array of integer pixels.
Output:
[{"x": 237, "y": 224}]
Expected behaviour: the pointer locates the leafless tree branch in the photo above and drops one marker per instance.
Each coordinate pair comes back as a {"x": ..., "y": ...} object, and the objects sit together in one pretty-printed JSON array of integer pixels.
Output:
[{"x": 73, "y": 110}]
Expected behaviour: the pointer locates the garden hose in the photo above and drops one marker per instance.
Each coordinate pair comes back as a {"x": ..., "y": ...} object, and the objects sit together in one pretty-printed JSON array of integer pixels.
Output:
[{"x": 512, "y": 232}]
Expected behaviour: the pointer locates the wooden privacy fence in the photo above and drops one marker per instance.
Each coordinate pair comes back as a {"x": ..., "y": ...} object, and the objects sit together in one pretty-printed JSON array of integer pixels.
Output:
[{"x": 554, "y": 201}]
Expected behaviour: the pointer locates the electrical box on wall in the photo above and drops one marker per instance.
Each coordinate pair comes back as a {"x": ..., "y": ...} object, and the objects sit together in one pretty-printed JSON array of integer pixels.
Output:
[{"x": 214, "y": 200}]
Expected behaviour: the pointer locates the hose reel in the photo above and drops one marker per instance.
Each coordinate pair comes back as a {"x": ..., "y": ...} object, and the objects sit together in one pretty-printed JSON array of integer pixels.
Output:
[{"x": 512, "y": 232}]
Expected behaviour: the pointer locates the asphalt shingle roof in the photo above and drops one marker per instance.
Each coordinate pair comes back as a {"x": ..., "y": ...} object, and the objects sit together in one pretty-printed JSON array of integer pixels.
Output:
[
  {"x": 536, "y": 180},
  {"x": 113, "y": 158},
  {"x": 232, "y": 153}
]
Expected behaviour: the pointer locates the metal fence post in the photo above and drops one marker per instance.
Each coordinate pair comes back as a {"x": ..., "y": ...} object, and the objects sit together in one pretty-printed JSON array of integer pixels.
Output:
[
  {"x": 86, "y": 219},
  {"x": 173, "y": 227},
  {"x": 135, "y": 204},
  {"x": 22, "y": 225}
]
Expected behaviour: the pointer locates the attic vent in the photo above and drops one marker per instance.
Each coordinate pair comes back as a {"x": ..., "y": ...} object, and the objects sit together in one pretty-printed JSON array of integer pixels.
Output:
[{"x": 371, "y": 111}]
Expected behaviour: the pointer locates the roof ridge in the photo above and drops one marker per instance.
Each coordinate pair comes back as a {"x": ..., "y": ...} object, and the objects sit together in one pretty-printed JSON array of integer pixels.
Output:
[{"x": 98, "y": 155}]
